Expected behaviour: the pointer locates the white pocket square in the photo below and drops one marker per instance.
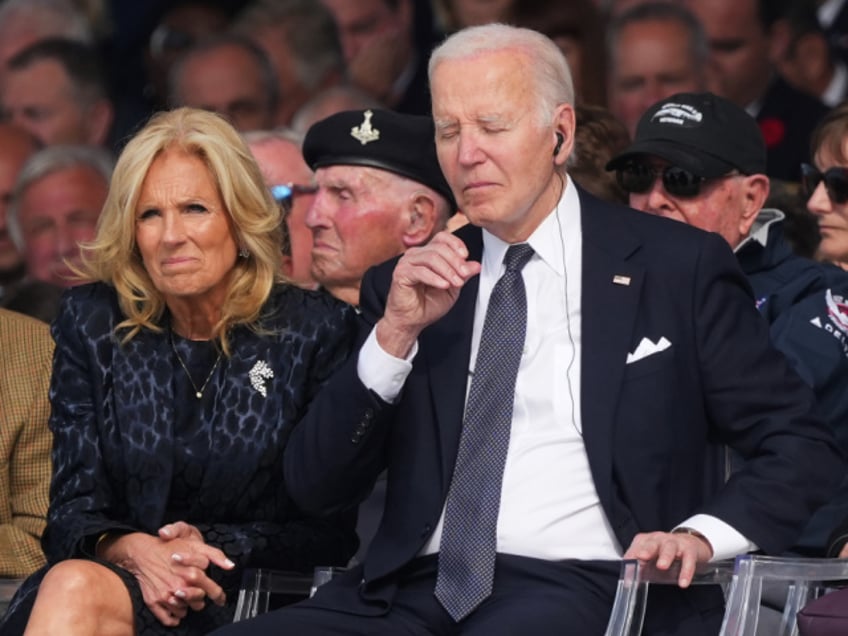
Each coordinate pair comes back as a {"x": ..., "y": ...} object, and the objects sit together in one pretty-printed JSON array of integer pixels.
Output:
[{"x": 647, "y": 348}]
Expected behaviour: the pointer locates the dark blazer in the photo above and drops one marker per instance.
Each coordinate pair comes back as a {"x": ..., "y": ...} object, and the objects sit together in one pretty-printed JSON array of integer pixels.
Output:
[
  {"x": 113, "y": 422},
  {"x": 653, "y": 429}
]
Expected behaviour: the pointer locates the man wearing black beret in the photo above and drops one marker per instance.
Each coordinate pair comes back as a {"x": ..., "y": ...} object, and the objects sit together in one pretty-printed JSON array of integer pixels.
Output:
[{"x": 380, "y": 191}]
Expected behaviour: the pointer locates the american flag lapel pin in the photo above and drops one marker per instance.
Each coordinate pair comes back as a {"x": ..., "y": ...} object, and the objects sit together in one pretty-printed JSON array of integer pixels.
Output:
[{"x": 619, "y": 279}]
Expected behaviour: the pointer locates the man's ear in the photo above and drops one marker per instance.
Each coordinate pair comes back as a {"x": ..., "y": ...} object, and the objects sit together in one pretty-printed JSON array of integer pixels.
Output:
[
  {"x": 755, "y": 195},
  {"x": 100, "y": 117},
  {"x": 562, "y": 141},
  {"x": 422, "y": 219}
]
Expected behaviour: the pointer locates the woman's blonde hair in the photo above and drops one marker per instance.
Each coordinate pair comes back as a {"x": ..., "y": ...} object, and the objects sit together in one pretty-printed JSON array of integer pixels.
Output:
[{"x": 113, "y": 257}]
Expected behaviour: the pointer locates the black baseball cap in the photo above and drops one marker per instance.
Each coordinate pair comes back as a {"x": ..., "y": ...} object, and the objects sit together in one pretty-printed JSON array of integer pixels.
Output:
[
  {"x": 397, "y": 142},
  {"x": 701, "y": 132}
]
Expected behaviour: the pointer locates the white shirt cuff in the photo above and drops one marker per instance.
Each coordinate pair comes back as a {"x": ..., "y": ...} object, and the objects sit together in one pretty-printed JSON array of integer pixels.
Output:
[
  {"x": 381, "y": 372},
  {"x": 725, "y": 540}
]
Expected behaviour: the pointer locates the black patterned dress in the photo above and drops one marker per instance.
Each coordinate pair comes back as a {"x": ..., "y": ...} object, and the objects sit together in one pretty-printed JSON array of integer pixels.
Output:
[{"x": 135, "y": 448}]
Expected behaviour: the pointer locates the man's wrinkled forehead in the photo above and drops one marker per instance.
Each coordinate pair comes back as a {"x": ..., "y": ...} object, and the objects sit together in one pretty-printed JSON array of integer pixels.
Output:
[{"x": 350, "y": 177}]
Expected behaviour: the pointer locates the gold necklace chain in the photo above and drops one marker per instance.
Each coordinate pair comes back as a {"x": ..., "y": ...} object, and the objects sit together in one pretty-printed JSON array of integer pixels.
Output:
[{"x": 197, "y": 392}]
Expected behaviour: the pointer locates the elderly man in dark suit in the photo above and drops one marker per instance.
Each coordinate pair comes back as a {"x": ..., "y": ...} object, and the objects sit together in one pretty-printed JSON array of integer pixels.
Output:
[{"x": 549, "y": 389}]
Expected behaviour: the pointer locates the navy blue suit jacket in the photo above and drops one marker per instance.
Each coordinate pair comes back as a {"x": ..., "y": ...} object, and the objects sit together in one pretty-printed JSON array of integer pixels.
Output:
[{"x": 654, "y": 430}]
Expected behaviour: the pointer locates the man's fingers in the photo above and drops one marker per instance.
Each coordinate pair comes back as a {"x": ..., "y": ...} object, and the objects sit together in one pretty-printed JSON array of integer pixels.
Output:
[{"x": 664, "y": 549}]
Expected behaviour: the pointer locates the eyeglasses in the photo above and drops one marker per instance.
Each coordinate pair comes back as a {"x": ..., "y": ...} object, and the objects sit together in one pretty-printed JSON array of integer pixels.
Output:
[
  {"x": 637, "y": 177},
  {"x": 287, "y": 191},
  {"x": 835, "y": 182}
]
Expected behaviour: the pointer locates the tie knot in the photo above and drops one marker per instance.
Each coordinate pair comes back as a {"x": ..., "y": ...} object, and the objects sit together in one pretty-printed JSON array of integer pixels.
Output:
[{"x": 517, "y": 256}]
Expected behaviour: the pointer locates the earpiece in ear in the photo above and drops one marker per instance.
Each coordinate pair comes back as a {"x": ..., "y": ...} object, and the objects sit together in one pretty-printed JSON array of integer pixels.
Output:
[{"x": 560, "y": 141}]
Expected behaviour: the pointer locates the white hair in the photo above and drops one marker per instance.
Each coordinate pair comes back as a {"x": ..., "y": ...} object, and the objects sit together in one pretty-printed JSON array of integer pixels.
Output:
[{"x": 547, "y": 64}]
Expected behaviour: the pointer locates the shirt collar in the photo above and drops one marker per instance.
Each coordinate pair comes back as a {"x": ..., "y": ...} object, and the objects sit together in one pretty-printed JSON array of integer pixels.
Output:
[
  {"x": 559, "y": 230},
  {"x": 760, "y": 229}
]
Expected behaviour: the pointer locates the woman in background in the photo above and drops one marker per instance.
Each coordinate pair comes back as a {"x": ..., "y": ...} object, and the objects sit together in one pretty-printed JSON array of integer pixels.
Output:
[{"x": 825, "y": 184}]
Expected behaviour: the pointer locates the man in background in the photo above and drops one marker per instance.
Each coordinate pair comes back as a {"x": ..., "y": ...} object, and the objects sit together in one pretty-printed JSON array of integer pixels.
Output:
[
  {"x": 654, "y": 50},
  {"x": 701, "y": 159},
  {"x": 376, "y": 196},
  {"x": 26, "y": 356},
  {"x": 17, "y": 146},
  {"x": 741, "y": 40},
  {"x": 56, "y": 90},
  {"x": 229, "y": 75},
  {"x": 300, "y": 39},
  {"x": 55, "y": 206},
  {"x": 378, "y": 41},
  {"x": 292, "y": 183}
]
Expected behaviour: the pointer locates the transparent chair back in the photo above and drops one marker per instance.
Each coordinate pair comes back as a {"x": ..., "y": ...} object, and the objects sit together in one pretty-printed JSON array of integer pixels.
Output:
[{"x": 805, "y": 579}]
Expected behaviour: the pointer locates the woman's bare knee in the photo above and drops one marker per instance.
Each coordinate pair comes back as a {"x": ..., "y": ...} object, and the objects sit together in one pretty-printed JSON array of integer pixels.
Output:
[{"x": 90, "y": 597}]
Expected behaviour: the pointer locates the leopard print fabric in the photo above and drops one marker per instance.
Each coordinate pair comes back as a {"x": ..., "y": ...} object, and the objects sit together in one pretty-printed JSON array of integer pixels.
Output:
[{"x": 113, "y": 425}]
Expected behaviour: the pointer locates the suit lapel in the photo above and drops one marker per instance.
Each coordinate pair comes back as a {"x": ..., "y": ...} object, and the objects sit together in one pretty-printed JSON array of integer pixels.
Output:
[{"x": 611, "y": 290}]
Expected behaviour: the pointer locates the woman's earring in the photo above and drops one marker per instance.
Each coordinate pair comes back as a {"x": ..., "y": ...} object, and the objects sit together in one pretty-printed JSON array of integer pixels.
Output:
[{"x": 243, "y": 253}]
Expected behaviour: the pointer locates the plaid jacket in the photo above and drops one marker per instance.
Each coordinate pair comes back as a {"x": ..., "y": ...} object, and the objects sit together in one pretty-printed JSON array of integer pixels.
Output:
[{"x": 25, "y": 364}]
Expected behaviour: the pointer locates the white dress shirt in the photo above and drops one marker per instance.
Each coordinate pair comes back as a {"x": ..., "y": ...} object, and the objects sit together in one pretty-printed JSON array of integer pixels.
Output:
[{"x": 549, "y": 504}]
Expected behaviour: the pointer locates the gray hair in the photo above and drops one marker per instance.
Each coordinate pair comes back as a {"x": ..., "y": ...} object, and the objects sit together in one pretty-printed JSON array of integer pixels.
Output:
[
  {"x": 281, "y": 133},
  {"x": 47, "y": 161},
  {"x": 309, "y": 30},
  {"x": 547, "y": 63},
  {"x": 53, "y": 18},
  {"x": 699, "y": 45}
]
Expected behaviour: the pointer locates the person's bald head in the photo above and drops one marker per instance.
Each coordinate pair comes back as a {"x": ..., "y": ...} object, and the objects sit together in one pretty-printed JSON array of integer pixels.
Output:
[{"x": 16, "y": 146}]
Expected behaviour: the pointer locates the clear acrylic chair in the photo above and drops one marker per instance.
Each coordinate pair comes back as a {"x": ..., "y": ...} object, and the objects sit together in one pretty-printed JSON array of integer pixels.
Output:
[
  {"x": 628, "y": 611},
  {"x": 259, "y": 587},
  {"x": 805, "y": 580}
]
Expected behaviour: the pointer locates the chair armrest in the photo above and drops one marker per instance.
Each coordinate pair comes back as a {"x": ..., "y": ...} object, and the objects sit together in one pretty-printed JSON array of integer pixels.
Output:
[{"x": 628, "y": 611}]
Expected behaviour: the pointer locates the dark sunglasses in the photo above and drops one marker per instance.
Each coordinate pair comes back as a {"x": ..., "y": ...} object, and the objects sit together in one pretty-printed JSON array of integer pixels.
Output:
[
  {"x": 835, "y": 182},
  {"x": 637, "y": 177}
]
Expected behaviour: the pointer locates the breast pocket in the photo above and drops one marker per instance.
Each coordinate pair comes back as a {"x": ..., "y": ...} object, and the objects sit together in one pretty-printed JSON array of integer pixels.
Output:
[{"x": 653, "y": 363}]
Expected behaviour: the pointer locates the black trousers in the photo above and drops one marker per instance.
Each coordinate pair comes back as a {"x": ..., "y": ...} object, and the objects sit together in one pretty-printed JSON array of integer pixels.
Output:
[{"x": 530, "y": 597}]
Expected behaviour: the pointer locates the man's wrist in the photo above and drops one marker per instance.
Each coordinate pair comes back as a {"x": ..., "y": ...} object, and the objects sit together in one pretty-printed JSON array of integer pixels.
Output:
[
  {"x": 694, "y": 533},
  {"x": 394, "y": 341}
]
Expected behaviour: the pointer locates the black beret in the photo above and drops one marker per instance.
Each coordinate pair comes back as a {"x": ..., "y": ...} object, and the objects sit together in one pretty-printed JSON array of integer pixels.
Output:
[{"x": 397, "y": 142}]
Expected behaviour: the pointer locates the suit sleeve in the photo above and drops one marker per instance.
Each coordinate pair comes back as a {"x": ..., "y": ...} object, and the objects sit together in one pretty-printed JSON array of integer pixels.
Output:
[
  {"x": 334, "y": 457},
  {"x": 761, "y": 409},
  {"x": 82, "y": 501},
  {"x": 29, "y": 464}
]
